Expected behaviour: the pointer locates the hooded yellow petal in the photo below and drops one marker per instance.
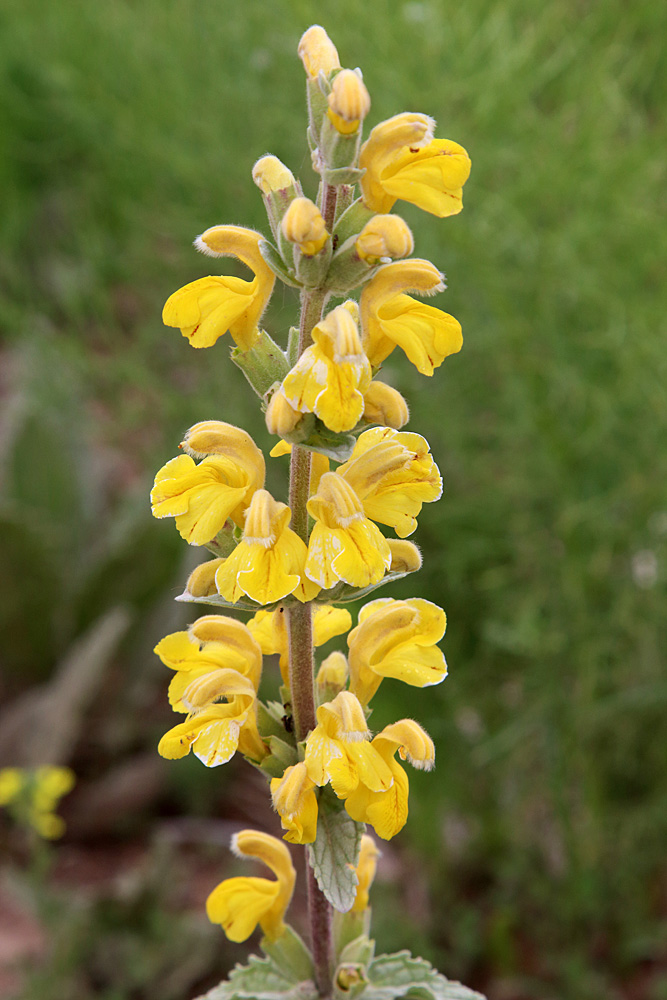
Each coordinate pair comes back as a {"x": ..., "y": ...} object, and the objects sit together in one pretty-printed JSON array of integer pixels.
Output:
[
  {"x": 239, "y": 904},
  {"x": 386, "y": 812},
  {"x": 295, "y": 800},
  {"x": 207, "y": 308},
  {"x": 426, "y": 334}
]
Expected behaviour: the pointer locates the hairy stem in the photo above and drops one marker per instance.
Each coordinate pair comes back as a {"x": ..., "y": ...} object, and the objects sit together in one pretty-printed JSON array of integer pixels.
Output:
[{"x": 301, "y": 662}]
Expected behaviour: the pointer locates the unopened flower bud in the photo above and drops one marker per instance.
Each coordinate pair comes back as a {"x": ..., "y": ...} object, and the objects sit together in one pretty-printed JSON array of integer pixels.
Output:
[
  {"x": 349, "y": 101},
  {"x": 279, "y": 188},
  {"x": 383, "y": 239},
  {"x": 405, "y": 556},
  {"x": 385, "y": 405},
  {"x": 317, "y": 52},
  {"x": 201, "y": 582},
  {"x": 271, "y": 174},
  {"x": 281, "y": 418},
  {"x": 332, "y": 676},
  {"x": 303, "y": 224}
]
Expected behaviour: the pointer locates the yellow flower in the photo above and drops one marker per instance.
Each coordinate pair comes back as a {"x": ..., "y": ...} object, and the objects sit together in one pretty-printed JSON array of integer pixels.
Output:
[
  {"x": 215, "y": 730},
  {"x": 270, "y": 174},
  {"x": 387, "y": 811},
  {"x": 396, "y": 639},
  {"x": 239, "y": 904},
  {"x": 392, "y": 319},
  {"x": 332, "y": 675},
  {"x": 269, "y": 628},
  {"x": 205, "y": 309},
  {"x": 405, "y": 556},
  {"x": 32, "y": 796},
  {"x": 201, "y": 497},
  {"x": 281, "y": 417},
  {"x": 201, "y": 582},
  {"x": 331, "y": 377},
  {"x": 295, "y": 801},
  {"x": 403, "y": 160},
  {"x": 268, "y": 564},
  {"x": 303, "y": 225},
  {"x": 214, "y": 642},
  {"x": 385, "y": 405},
  {"x": 349, "y": 101},
  {"x": 338, "y": 750},
  {"x": 384, "y": 238},
  {"x": 366, "y": 867},
  {"x": 393, "y": 474},
  {"x": 344, "y": 544},
  {"x": 317, "y": 52}
]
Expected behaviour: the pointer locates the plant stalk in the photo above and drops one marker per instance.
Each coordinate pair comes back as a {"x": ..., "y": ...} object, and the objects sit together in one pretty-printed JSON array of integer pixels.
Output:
[{"x": 301, "y": 661}]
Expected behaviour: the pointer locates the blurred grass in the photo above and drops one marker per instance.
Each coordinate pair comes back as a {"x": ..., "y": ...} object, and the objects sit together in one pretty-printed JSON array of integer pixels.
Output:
[{"x": 128, "y": 127}]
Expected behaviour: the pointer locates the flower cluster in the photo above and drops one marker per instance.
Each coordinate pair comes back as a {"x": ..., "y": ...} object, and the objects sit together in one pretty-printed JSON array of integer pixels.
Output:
[
  {"x": 354, "y": 472},
  {"x": 32, "y": 795}
]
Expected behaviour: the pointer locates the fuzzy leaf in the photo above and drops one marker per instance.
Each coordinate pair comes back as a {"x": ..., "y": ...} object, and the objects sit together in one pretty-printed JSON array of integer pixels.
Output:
[
  {"x": 260, "y": 979},
  {"x": 311, "y": 433},
  {"x": 343, "y": 593},
  {"x": 401, "y": 975},
  {"x": 281, "y": 757},
  {"x": 277, "y": 264},
  {"x": 335, "y": 853}
]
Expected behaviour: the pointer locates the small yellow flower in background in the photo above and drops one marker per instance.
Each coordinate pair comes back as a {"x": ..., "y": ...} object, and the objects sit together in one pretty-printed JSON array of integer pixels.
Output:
[
  {"x": 349, "y": 101},
  {"x": 268, "y": 564},
  {"x": 239, "y": 904},
  {"x": 396, "y": 639},
  {"x": 295, "y": 801},
  {"x": 344, "y": 544},
  {"x": 270, "y": 630},
  {"x": 392, "y": 319},
  {"x": 393, "y": 474},
  {"x": 366, "y": 868},
  {"x": 387, "y": 811},
  {"x": 405, "y": 556},
  {"x": 303, "y": 225},
  {"x": 339, "y": 751},
  {"x": 384, "y": 238},
  {"x": 331, "y": 377},
  {"x": 317, "y": 52},
  {"x": 32, "y": 794},
  {"x": 403, "y": 161},
  {"x": 206, "y": 308},
  {"x": 201, "y": 497},
  {"x": 384, "y": 405}
]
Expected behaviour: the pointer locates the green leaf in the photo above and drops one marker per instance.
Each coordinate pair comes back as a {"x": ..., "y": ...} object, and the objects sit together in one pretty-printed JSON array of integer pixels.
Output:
[
  {"x": 217, "y": 601},
  {"x": 260, "y": 979},
  {"x": 311, "y": 433},
  {"x": 281, "y": 757},
  {"x": 335, "y": 853},
  {"x": 277, "y": 264},
  {"x": 290, "y": 955},
  {"x": 343, "y": 593},
  {"x": 401, "y": 975},
  {"x": 270, "y": 719}
]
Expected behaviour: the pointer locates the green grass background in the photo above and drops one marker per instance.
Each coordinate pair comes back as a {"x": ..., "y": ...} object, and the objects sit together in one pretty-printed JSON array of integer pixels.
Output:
[{"x": 534, "y": 865}]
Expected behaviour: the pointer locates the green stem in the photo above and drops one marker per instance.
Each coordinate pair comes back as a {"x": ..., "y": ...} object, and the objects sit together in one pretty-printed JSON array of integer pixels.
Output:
[{"x": 301, "y": 661}]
